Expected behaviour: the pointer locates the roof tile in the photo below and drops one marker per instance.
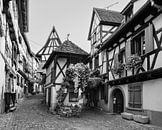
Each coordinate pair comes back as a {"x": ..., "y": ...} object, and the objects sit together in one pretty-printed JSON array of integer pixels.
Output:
[
  {"x": 69, "y": 47},
  {"x": 109, "y": 15}
]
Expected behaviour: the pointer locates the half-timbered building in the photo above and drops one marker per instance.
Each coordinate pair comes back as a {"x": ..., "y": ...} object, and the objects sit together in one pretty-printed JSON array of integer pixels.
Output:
[
  {"x": 133, "y": 61},
  {"x": 103, "y": 24},
  {"x": 67, "y": 53}
]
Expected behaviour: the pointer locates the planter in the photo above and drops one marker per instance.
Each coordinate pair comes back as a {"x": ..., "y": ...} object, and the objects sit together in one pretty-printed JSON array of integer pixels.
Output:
[
  {"x": 141, "y": 119},
  {"x": 127, "y": 116}
]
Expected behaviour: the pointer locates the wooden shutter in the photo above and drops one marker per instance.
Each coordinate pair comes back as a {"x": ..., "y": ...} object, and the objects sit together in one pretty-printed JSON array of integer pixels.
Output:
[
  {"x": 128, "y": 49},
  {"x": 116, "y": 60},
  {"x": 149, "y": 41},
  {"x": 135, "y": 95}
]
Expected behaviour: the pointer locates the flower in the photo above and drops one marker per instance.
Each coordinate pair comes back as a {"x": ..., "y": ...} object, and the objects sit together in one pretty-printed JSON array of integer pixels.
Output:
[
  {"x": 134, "y": 61},
  {"x": 119, "y": 68}
]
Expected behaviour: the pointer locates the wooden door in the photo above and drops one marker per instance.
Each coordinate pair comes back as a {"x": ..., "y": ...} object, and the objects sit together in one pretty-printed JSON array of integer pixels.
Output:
[{"x": 118, "y": 103}]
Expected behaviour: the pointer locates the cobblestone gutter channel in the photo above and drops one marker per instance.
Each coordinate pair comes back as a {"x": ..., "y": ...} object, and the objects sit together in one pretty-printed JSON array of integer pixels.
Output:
[{"x": 32, "y": 115}]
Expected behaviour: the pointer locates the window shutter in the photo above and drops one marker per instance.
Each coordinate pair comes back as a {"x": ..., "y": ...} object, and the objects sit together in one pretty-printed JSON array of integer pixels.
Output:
[
  {"x": 149, "y": 41},
  {"x": 116, "y": 60},
  {"x": 128, "y": 49}
]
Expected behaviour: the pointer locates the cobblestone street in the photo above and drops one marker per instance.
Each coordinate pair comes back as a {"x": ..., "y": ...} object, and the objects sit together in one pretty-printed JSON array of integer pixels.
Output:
[{"x": 32, "y": 115}]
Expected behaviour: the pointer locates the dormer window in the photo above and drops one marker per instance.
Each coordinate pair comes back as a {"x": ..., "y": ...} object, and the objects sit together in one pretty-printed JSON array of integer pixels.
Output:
[{"x": 128, "y": 12}]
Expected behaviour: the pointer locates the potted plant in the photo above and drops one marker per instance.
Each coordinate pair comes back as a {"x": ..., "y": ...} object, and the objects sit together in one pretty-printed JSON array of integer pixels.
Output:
[
  {"x": 134, "y": 62},
  {"x": 118, "y": 68}
]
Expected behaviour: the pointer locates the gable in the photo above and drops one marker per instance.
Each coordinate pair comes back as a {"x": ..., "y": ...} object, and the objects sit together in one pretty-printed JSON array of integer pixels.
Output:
[{"x": 95, "y": 23}]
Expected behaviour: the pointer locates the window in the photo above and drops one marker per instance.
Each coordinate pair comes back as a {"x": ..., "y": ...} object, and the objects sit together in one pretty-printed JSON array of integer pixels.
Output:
[
  {"x": 138, "y": 45},
  {"x": 135, "y": 95},
  {"x": 96, "y": 64},
  {"x": 73, "y": 97},
  {"x": 122, "y": 55}
]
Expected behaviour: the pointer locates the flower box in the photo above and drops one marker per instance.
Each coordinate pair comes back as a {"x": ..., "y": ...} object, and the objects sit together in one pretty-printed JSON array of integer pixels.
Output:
[
  {"x": 127, "y": 116},
  {"x": 141, "y": 119}
]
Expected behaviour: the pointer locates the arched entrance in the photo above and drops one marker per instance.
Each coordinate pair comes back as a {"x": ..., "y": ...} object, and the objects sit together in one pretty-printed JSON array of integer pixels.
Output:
[{"x": 118, "y": 101}]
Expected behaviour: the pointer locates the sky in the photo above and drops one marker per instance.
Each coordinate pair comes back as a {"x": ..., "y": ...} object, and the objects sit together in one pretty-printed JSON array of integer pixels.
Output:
[{"x": 68, "y": 16}]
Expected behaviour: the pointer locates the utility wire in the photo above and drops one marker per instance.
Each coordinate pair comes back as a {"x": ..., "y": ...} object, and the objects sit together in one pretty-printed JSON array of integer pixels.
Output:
[{"x": 33, "y": 42}]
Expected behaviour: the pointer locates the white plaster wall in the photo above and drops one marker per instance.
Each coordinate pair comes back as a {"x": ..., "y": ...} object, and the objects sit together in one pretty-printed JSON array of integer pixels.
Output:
[
  {"x": 100, "y": 58},
  {"x": 111, "y": 54},
  {"x": 104, "y": 67},
  {"x": 125, "y": 92},
  {"x": 138, "y": 4},
  {"x": 48, "y": 73},
  {"x": 152, "y": 95},
  {"x": 92, "y": 63},
  {"x": 158, "y": 63},
  {"x": 62, "y": 62},
  {"x": 122, "y": 45},
  {"x": 53, "y": 97},
  {"x": 157, "y": 22},
  {"x": 110, "y": 76}
]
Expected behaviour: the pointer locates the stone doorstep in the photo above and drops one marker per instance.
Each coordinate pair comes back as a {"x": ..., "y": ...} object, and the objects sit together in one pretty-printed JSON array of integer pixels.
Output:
[
  {"x": 141, "y": 119},
  {"x": 127, "y": 116}
]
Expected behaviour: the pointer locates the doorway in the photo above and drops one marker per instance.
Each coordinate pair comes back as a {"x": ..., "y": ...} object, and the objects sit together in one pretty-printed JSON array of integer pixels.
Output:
[
  {"x": 49, "y": 97},
  {"x": 118, "y": 101}
]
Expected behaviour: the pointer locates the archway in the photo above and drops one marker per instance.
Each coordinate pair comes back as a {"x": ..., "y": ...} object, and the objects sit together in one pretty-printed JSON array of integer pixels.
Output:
[{"x": 118, "y": 101}]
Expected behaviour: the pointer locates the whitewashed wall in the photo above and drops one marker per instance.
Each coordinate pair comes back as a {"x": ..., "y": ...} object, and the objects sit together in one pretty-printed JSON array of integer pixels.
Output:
[
  {"x": 158, "y": 24},
  {"x": 62, "y": 62},
  {"x": 48, "y": 73},
  {"x": 152, "y": 97}
]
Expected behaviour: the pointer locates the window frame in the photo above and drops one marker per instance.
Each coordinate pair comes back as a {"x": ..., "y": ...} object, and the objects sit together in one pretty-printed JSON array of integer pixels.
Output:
[
  {"x": 136, "y": 47},
  {"x": 73, "y": 95}
]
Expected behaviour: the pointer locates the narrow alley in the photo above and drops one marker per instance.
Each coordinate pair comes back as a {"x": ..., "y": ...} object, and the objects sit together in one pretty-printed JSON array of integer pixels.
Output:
[{"x": 31, "y": 114}]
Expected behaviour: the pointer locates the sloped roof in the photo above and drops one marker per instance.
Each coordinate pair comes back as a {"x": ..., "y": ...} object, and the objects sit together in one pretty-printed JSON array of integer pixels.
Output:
[
  {"x": 106, "y": 17},
  {"x": 109, "y": 15},
  {"x": 69, "y": 47}
]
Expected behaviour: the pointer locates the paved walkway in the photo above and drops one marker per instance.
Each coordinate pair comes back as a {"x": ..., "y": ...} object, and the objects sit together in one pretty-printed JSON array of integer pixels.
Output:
[{"x": 32, "y": 115}]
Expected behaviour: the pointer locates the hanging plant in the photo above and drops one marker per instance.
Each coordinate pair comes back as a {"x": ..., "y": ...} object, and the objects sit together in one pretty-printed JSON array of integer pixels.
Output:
[
  {"x": 70, "y": 72},
  {"x": 134, "y": 61},
  {"x": 79, "y": 71},
  {"x": 119, "y": 68}
]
